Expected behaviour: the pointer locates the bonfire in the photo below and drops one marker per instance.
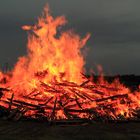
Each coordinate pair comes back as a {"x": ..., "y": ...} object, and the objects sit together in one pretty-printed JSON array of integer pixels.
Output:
[{"x": 49, "y": 82}]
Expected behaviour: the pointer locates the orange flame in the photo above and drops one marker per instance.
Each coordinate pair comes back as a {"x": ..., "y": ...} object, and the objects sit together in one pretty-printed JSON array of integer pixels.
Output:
[
  {"x": 51, "y": 72},
  {"x": 50, "y": 58}
]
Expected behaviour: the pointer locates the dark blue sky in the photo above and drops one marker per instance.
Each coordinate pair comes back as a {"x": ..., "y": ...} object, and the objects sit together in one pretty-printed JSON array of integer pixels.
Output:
[{"x": 114, "y": 25}]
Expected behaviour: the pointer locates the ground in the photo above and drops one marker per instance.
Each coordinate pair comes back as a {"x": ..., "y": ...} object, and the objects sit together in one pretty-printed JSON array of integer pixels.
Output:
[{"x": 28, "y": 130}]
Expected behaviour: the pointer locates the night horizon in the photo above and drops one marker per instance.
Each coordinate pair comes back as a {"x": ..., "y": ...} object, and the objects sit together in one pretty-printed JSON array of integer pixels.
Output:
[{"x": 114, "y": 27}]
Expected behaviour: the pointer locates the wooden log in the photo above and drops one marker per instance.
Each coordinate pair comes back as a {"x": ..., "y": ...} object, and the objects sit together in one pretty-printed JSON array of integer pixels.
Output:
[
  {"x": 84, "y": 76},
  {"x": 52, "y": 117},
  {"x": 95, "y": 91},
  {"x": 25, "y": 103},
  {"x": 87, "y": 96},
  {"x": 66, "y": 103},
  {"x": 71, "y": 105},
  {"x": 84, "y": 83},
  {"x": 31, "y": 93},
  {"x": 1, "y": 94},
  {"x": 20, "y": 114},
  {"x": 12, "y": 113},
  {"x": 91, "y": 113},
  {"x": 2, "y": 90},
  {"x": 109, "y": 88},
  {"x": 77, "y": 102},
  {"x": 67, "y": 84},
  {"x": 33, "y": 99},
  {"x": 38, "y": 93},
  {"x": 48, "y": 101},
  {"x": 47, "y": 87},
  {"x": 8, "y": 102},
  {"x": 65, "y": 110},
  {"x": 82, "y": 110},
  {"x": 112, "y": 97},
  {"x": 78, "y": 94},
  {"x": 11, "y": 101},
  {"x": 29, "y": 106}
]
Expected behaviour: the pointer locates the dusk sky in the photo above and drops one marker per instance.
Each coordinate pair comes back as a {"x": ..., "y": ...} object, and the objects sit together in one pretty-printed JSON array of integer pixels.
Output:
[{"x": 114, "y": 26}]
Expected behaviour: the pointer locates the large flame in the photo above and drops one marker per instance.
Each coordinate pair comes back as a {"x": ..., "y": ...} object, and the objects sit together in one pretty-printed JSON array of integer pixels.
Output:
[
  {"x": 51, "y": 57},
  {"x": 51, "y": 73}
]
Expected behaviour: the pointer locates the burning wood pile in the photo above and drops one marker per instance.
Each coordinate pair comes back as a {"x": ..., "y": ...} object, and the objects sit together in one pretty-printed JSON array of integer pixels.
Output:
[
  {"x": 47, "y": 83},
  {"x": 99, "y": 102}
]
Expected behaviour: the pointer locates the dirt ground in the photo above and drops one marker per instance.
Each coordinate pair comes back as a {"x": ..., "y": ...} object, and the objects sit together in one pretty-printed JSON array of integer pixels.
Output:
[{"x": 27, "y": 130}]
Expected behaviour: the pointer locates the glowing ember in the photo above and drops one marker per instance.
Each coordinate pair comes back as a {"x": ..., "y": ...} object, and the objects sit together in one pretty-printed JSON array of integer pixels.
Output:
[{"x": 48, "y": 81}]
